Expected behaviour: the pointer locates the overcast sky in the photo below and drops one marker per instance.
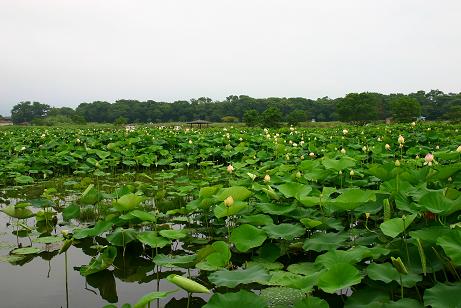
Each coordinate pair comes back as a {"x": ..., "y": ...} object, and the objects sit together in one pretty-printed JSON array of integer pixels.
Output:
[{"x": 65, "y": 52}]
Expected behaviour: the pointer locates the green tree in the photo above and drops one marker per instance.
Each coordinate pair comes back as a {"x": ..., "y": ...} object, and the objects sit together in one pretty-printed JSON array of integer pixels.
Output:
[
  {"x": 229, "y": 119},
  {"x": 359, "y": 107},
  {"x": 404, "y": 108},
  {"x": 27, "y": 111},
  {"x": 454, "y": 113},
  {"x": 120, "y": 121},
  {"x": 251, "y": 118},
  {"x": 296, "y": 116},
  {"x": 271, "y": 117}
]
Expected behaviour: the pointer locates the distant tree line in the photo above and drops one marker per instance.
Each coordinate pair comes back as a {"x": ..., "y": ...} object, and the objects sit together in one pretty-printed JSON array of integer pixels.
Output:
[{"x": 354, "y": 107}]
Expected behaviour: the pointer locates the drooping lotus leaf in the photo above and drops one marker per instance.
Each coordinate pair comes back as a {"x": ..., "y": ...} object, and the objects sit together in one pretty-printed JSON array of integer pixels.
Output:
[
  {"x": 91, "y": 195},
  {"x": 231, "y": 279},
  {"x": 246, "y": 237},
  {"x": 294, "y": 190},
  {"x": 430, "y": 234},
  {"x": 268, "y": 265},
  {"x": 436, "y": 202},
  {"x": 99, "y": 228},
  {"x": 257, "y": 220},
  {"x": 296, "y": 281},
  {"x": 71, "y": 211},
  {"x": 17, "y": 212},
  {"x": 221, "y": 210},
  {"x": 128, "y": 202},
  {"x": 101, "y": 262},
  {"x": 386, "y": 272},
  {"x": 238, "y": 193},
  {"x": 216, "y": 255},
  {"x": 284, "y": 231},
  {"x": 26, "y": 251},
  {"x": 340, "y": 164},
  {"x": 146, "y": 299},
  {"x": 310, "y": 223},
  {"x": 443, "y": 295},
  {"x": 241, "y": 298},
  {"x": 339, "y": 276},
  {"x": 152, "y": 239},
  {"x": 451, "y": 244},
  {"x": 185, "y": 261},
  {"x": 325, "y": 241},
  {"x": 352, "y": 198},
  {"x": 303, "y": 268},
  {"x": 275, "y": 209},
  {"x": 141, "y": 215},
  {"x": 395, "y": 226},
  {"x": 121, "y": 237},
  {"x": 173, "y": 234},
  {"x": 48, "y": 239}
]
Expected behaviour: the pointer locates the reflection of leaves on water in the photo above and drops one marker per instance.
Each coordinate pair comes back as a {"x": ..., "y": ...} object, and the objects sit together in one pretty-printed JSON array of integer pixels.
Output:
[
  {"x": 104, "y": 281},
  {"x": 86, "y": 245},
  {"x": 132, "y": 267},
  {"x": 181, "y": 303},
  {"x": 17, "y": 259},
  {"x": 48, "y": 255}
]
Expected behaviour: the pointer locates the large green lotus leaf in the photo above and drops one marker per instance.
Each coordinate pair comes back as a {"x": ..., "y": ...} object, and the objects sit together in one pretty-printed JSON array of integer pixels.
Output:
[
  {"x": 151, "y": 238},
  {"x": 209, "y": 191},
  {"x": 340, "y": 164},
  {"x": 141, "y": 215},
  {"x": 275, "y": 209},
  {"x": 451, "y": 244},
  {"x": 330, "y": 258},
  {"x": 121, "y": 237},
  {"x": 311, "y": 302},
  {"x": 339, "y": 276},
  {"x": 17, "y": 212},
  {"x": 270, "y": 252},
  {"x": 352, "y": 198},
  {"x": 238, "y": 193},
  {"x": 284, "y": 231},
  {"x": 386, "y": 272},
  {"x": 146, "y": 299},
  {"x": 443, "y": 295},
  {"x": 376, "y": 298},
  {"x": 436, "y": 202},
  {"x": 231, "y": 279},
  {"x": 257, "y": 220},
  {"x": 287, "y": 279},
  {"x": 294, "y": 190},
  {"x": 430, "y": 234},
  {"x": 303, "y": 268},
  {"x": 102, "y": 154},
  {"x": 71, "y": 211},
  {"x": 282, "y": 296},
  {"x": 395, "y": 226},
  {"x": 103, "y": 261},
  {"x": 268, "y": 265},
  {"x": 246, "y": 237},
  {"x": 404, "y": 303},
  {"x": 26, "y": 251},
  {"x": 172, "y": 261},
  {"x": 100, "y": 227},
  {"x": 90, "y": 195},
  {"x": 310, "y": 223},
  {"x": 173, "y": 234},
  {"x": 325, "y": 241},
  {"x": 214, "y": 256},
  {"x": 128, "y": 202},
  {"x": 242, "y": 298},
  {"x": 24, "y": 179},
  {"x": 221, "y": 210},
  {"x": 48, "y": 239}
]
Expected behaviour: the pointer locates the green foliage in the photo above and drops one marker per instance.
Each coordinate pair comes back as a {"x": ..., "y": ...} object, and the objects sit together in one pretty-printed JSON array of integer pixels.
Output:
[
  {"x": 359, "y": 107},
  {"x": 404, "y": 108},
  {"x": 251, "y": 118},
  {"x": 271, "y": 117}
]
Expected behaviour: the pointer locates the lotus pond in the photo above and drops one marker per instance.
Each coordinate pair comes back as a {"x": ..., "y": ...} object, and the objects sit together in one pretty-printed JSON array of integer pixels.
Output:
[{"x": 293, "y": 217}]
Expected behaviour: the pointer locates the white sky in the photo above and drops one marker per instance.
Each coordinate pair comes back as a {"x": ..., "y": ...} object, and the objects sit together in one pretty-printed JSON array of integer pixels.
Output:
[{"x": 64, "y": 52}]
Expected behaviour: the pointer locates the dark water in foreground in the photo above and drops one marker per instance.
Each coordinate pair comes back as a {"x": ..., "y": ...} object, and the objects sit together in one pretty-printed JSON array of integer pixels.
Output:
[{"x": 41, "y": 281}]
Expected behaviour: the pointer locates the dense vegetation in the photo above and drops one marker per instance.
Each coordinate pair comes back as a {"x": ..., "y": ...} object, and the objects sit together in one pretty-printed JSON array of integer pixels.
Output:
[
  {"x": 354, "y": 107},
  {"x": 291, "y": 217}
]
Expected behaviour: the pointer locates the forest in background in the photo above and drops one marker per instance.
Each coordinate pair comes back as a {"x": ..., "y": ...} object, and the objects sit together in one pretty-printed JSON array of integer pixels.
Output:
[{"x": 354, "y": 107}]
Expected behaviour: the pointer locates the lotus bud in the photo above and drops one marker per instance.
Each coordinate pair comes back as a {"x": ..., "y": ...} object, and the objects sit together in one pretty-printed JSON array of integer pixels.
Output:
[
  {"x": 417, "y": 157},
  {"x": 340, "y": 172},
  {"x": 458, "y": 149},
  {"x": 267, "y": 178},
  {"x": 437, "y": 147},
  {"x": 311, "y": 154},
  {"x": 343, "y": 150},
  {"x": 190, "y": 141},
  {"x": 364, "y": 148},
  {"x": 401, "y": 139},
  {"x": 229, "y": 201},
  {"x": 367, "y": 215},
  {"x": 428, "y": 159},
  {"x": 298, "y": 174},
  {"x": 397, "y": 163},
  {"x": 399, "y": 266},
  {"x": 65, "y": 232},
  {"x": 352, "y": 173},
  {"x": 230, "y": 168},
  {"x": 301, "y": 157},
  {"x": 387, "y": 146},
  {"x": 345, "y": 131},
  {"x": 413, "y": 123}
]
